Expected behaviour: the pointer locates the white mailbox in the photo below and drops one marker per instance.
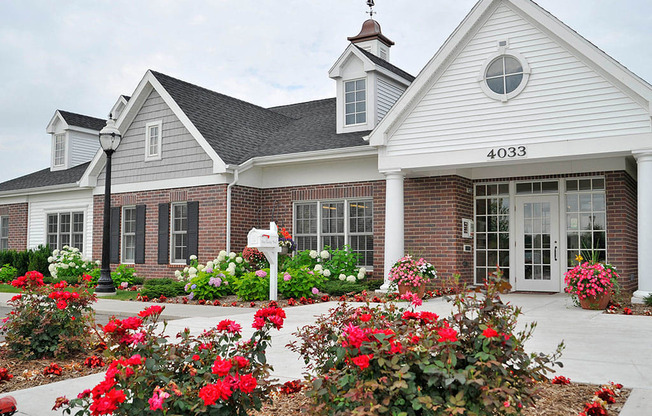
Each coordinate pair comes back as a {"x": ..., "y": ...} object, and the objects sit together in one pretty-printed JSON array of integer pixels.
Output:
[{"x": 266, "y": 241}]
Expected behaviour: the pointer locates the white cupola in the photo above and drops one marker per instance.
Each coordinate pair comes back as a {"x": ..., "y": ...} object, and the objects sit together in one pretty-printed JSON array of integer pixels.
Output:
[{"x": 371, "y": 39}]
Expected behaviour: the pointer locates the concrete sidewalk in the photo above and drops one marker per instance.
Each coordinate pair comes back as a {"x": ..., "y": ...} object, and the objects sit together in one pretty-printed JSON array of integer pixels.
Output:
[{"x": 599, "y": 347}]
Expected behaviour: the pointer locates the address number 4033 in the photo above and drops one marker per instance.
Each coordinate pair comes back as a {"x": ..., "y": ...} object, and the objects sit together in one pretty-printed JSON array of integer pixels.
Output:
[{"x": 507, "y": 152}]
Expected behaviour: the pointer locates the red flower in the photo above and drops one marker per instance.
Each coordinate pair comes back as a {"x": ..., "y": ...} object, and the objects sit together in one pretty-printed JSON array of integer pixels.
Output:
[
  {"x": 152, "y": 310},
  {"x": 428, "y": 316},
  {"x": 247, "y": 383},
  {"x": 489, "y": 332},
  {"x": 52, "y": 369},
  {"x": 447, "y": 335},
  {"x": 595, "y": 409},
  {"x": 196, "y": 357},
  {"x": 325, "y": 298},
  {"x": 221, "y": 367},
  {"x": 16, "y": 297},
  {"x": 561, "y": 380},
  {"x": 607, "y": 395},
  {"x": 229, "y": 326},
  {"x": 4, "y": 374},
  {"x": 132, "y": 323},
  {"x": 290, "y": 387},
  {"x": 627, "y": 311},
  {"x": 241, "y": 361},
  {"x": 212, "y": 392},
  {"x": 62, "y": 304},
  {"x": 365, "y": 317},
  {"x": 362, "y": 361}
]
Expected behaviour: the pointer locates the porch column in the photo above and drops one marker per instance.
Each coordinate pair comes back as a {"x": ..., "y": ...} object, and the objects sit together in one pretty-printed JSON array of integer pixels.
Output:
[
  {"x": 394, "y": 221},
  {"x": 644, "y": 160}
]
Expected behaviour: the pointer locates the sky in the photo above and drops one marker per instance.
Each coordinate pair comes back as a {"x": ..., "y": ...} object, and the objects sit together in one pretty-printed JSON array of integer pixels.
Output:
[{"x": 79, "y": 56}]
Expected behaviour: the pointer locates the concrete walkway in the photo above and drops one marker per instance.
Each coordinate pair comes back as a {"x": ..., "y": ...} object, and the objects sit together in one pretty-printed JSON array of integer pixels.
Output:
[{"x": 599, "y": 347}]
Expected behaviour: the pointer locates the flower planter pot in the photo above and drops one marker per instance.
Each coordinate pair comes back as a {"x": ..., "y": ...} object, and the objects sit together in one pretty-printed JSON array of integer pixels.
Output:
[
  {"x": 284, "y": 250},
  {"x": 599, "y": 302},
  {"x": 420, "y": 291}
]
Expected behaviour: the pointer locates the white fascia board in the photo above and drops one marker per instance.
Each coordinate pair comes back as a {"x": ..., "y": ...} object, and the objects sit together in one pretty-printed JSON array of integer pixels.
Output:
[
  {"x": 42, "y": 190},
  {"x": 57, "y": 116},
  {"x": 336, "y": 69},
  {"x": 85, "y": 130},
  {"x": 218, "y": 164},
  {"x": 89, "y": 178},
  {"x": 594, "y": 57},
  {"x": 428, "y": 75},
  {"x": 189, "y": 182},
  {"x": 120, "y": 100},
  {"x": 369, "y": 65},
  {"x": 315, "y": 156}
]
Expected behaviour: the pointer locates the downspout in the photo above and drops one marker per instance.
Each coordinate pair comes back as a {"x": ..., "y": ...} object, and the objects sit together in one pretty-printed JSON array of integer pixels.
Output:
[{"x": 236, "y": 174}]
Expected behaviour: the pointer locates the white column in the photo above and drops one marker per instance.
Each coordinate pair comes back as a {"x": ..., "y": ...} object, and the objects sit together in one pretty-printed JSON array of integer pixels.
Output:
[
  {"x": 394, "y": 222},
  {"x": 644, "y": 160}
]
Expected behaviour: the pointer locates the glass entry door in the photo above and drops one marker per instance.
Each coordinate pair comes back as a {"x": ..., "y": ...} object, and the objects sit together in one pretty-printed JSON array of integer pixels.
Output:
[{"x": 537, "y": 243}]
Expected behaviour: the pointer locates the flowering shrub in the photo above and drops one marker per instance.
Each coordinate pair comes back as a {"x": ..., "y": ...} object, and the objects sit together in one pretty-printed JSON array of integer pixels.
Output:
[
  {"x": 68, "y": 264},
  {"x": 333, "y": 263},
  {"x": 210, "y": 284},
  {"x": 230, "y": 264},
  {"x": 53, "y": 369},
  {"x": 253, "y": 285},
  {"x": 4, "y": 374},
  {"x": 561, "y": 380},
  {"x": 386, "y": 360},
  {"x": 410, "y": 272},
  {"x": 295, "y": 283},
  {"x": 47, "y": 320},
  {"x": 214, "y": 373},
  {"x": 590, "y": 279},
  {"x": 93, "y": 361},
  {"x": 122, "y": 276},
  {"x": 601, "y": 400}
]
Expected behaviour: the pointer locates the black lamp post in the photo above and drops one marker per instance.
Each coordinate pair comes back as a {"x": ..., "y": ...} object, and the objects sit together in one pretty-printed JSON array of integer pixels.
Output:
[{"x": 110, "y": 138}]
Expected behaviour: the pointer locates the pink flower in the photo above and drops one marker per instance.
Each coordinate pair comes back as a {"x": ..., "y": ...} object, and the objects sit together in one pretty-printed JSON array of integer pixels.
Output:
[
  {"x": 287, "y": 277},
  {"x": 315, "y": 291},
  {"x": 261, "y": 273},
  {"x": 158, "y": 397}
]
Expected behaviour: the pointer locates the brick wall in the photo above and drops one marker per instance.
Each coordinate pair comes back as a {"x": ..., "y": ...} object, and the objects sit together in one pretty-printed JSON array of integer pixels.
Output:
[
  {"x": 17, "y": 214},
  {"x": 622, "y": 232},
  {"x": 212, "y": 223},
  {"x": 434, "y": 209}
]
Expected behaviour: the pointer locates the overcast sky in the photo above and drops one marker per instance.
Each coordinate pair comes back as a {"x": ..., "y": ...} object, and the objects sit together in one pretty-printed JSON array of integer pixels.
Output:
[{"x": 80, "y": 56}]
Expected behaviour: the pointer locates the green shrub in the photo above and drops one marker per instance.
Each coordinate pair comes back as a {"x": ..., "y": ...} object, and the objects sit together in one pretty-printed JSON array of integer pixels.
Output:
[
  {"x": 253, "y": 285},
  {"x": 297, "y": 283},
  {"x": 38, "y": 259},
  {"x": 333, "y": 262},
  {"x": 8, "y": 273},
  {"x": 123, "y": 273},
  {"x": 155, "y": 288},
  {"x": 648, "y": 300},
  {"x": 386, "y": 360},
  {"x": 339, "y": 287},
  {"x": 210, "y": 285}
]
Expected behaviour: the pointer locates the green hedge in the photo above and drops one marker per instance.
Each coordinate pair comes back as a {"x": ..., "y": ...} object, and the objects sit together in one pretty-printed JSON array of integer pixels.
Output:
[
  {"x": 28, "y": 260},
  {"x": 154, "y": 288}
]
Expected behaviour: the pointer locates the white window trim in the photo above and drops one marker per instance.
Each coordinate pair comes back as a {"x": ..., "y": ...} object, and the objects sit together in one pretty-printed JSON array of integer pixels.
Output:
[
  {"x": 172, "y": 233},
  {"x": 64, "y": 164},
  {"x": 157, "y": 156},
  {"x": 319, "y": 234},
  {"x": 71, "y": 233},
  {"x": 2, "y": 218},
  {"x": 366, "y": 102},
  {"x": 504, "y": 51},
  {"x": 123, "y": 235}
]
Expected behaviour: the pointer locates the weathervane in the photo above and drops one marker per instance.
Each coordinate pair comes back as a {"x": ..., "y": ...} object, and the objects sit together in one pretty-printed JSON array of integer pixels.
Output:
[{"x": 371, "y": 11}]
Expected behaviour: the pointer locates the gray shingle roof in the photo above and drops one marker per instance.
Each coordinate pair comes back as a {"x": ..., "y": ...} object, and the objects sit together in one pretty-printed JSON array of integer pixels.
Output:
[
  {"x": 44, "y": 178},
  {"x": 80, "y": 120},
  {"x": 232, "y": 127},
  {"x": 381, "y": 62},
  {"x": 239, "y": 130}
]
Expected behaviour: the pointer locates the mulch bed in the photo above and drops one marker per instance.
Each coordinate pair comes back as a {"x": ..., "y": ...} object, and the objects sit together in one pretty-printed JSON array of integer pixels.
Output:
[
  {"x": 555, "y": 400},
  {"x": 30, "y": 373}
]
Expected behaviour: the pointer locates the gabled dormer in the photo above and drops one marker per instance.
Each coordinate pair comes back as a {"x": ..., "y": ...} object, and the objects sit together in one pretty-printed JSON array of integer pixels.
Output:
[
  {"x": 74, "y": 139},
  {"x": 367, "y": 84},
  {"x": 119, "y": 106}
]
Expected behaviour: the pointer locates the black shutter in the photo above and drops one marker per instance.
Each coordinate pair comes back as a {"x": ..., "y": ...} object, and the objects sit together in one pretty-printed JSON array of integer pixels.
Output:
[
  {"x": 193, "y": 229},
  {"x": 140, "y": 234},
  {"x": 163, "y": 233},
  {"x": 114, "y": 252}
]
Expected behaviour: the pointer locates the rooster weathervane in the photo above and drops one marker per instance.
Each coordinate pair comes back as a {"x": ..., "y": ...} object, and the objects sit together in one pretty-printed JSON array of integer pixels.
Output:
[{"x": 371, "y": 4}]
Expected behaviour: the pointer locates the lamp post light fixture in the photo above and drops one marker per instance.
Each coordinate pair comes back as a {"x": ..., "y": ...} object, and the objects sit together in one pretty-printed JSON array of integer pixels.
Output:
[{"x": 110, "y": 138}]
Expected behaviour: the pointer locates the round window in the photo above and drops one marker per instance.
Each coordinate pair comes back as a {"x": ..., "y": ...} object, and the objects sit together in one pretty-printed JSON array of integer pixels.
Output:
[{"x": 504, "y": 75}]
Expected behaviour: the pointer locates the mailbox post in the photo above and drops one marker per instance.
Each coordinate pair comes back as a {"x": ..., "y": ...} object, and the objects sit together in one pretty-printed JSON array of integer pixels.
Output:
[{"x": 266, "y": 241}]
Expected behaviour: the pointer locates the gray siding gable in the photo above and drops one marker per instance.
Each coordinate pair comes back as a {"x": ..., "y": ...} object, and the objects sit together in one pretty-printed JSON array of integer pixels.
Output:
[{"x": 181, "y": 155}]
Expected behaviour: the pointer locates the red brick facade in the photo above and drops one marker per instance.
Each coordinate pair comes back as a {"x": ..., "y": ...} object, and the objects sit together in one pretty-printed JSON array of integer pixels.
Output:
[
  {"x": 622, "y": 230},
  {"x": 17, "y": 214},
  {"x": 434, "y": 209}
]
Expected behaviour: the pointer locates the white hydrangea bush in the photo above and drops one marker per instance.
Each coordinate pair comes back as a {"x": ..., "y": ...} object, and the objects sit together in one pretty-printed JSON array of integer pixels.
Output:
[{"x": 69, "y": 263}]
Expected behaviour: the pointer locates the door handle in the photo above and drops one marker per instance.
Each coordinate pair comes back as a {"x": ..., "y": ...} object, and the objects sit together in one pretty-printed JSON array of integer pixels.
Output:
[{"x": 555, "y": 253}]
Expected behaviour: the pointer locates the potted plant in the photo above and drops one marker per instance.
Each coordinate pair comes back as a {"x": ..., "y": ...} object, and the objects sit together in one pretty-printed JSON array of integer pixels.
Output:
[
  {"x": 412, "y": 275},
  {"x": 591, "y": 283}
]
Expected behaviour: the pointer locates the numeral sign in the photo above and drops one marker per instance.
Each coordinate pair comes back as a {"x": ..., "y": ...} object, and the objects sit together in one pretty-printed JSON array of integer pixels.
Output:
[{"x": 507, "y": 152}]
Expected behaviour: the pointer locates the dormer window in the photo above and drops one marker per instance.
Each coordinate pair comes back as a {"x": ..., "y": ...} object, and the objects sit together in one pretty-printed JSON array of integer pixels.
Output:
[
  {"x": 153, "y": 140},
  {"x": 355, "y": 96},
  {"x": 59, "y": 150}
]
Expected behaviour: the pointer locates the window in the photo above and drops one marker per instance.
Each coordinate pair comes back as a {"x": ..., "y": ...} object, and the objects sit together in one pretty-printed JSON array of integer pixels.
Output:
[
  {"x": 355, "y": 101},
  {"x": 153, "y": 140},
  {"x": 65, "y": 229},
  {"x": 491, "y": 230},
  {"x": 586, "y": 219},
  {"x": 336, "y": 224},
  {"x": 4, "y": 233},
  {"x": 128, "y": 234},
  {"x": 59, "y": 150},
  {"x": 504, "y": 74},
  {"x": 179, "y": 233}
]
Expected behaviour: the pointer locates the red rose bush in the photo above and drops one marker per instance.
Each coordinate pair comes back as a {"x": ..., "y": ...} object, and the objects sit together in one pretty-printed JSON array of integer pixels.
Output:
[
  {"x": 386, "y": 360},
  {"x": 213, "y": 373}
]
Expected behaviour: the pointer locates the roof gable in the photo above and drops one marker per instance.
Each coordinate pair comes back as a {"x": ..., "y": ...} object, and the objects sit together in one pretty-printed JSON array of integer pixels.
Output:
[
  {"x": 595, "y": 59},
  {"x": 68, "y": 120},
  {"x": 370, "y": 63}
]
